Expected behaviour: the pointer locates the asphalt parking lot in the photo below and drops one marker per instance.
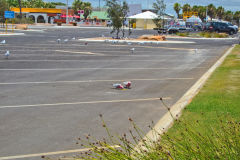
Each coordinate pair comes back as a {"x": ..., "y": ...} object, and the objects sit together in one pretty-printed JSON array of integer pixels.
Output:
[{"x": 51, "y": 93}]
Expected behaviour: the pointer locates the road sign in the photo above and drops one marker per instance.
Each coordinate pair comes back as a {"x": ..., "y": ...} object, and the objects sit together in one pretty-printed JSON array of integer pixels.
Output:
[
  {"x": 9, "y": 14},
  {"x": 81, "y": 12}
]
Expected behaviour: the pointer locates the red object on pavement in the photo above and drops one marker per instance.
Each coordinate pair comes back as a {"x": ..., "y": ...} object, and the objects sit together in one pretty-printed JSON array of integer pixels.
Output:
[
  {"x": 120, "y": 87},
  {"x": 127, "y": 84}
]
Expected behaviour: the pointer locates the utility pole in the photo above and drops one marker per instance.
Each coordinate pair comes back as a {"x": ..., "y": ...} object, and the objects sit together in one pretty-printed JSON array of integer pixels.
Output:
[
  {"x": 99, "y": 5},
  {"x": 206, "y": 13},
  {"x": 67, "y": 20},
  {"x": 148, "y": 5}
]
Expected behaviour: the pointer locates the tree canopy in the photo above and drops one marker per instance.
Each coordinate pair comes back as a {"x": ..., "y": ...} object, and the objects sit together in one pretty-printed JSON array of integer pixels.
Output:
[
  {"x": 117, "y": 13},
  {"x": 33, "y": 4},
  {"x": 80, "y": 5},
  {"x": 212, "y": 11},
  {"x": 177, "y": 8},
  {"x": 160, "y": 7}
]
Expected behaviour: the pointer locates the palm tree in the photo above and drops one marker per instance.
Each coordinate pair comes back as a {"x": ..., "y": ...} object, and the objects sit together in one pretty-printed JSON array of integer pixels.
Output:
[
  {"x": 220, "y": 12},
  {"x": 177, "y": 7},
  {"x": 211, "y": 11},
  {"x": 186, "y": 8},
  {"x": 20, "y": 8},
  {"x": 228, "y": 16},
  {"x": 79, "y": 5},
  {"x": 87, "y": 7},
  {"x": 195, "y": 8},
  {"x": 202, "y": 12},
  {"x": 236, "y": 17}
]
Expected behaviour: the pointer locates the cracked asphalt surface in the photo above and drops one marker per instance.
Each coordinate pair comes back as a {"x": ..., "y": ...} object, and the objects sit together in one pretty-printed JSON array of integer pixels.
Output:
[{"x": 51, "y": 93}]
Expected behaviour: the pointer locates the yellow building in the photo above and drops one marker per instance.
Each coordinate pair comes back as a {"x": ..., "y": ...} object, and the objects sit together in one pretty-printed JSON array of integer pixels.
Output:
[{"x": 40, "y": 15}]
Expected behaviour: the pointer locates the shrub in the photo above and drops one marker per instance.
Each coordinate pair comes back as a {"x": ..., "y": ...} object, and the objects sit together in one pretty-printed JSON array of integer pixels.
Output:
[
  {"x": 21, "y": 21},
  {"x": 184, "y": 34},
  {"x": 213, "y": 35},
  {"x": 59, "y": 23}
]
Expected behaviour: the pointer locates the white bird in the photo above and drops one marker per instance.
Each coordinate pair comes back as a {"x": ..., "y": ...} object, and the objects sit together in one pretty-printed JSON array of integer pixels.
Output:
[
  {"x": 58, "y": 40},
  {"x": 66, "y": 40},
  {"x": 132, "y": 49},
  {"x": 196, "y": 50},
  {"x": 7, "y": 54},
  {"x": 118, "y": 86},
  {"x": 127, "y": 84},
  {"x": 3, "y": 42}
]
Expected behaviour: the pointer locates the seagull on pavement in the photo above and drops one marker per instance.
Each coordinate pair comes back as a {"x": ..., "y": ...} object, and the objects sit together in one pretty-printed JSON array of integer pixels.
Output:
[
  {"x": 7, "y": 54},
  {"x": 196, "y": 50},
  {"x": 132, "y": 49},
  {"x": 3, "y": 42},
  {"x": 58, "y": 40}
]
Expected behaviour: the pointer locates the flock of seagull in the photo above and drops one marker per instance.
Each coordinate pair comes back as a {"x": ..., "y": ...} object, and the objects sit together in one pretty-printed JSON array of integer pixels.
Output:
[
  {"x": 7, "y": 54},
  {"x": 59, "y": 41}
]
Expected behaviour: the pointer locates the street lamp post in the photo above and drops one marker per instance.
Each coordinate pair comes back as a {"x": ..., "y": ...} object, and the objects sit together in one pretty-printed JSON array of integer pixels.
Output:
[
  {"x": 67, "y": 20},
  {"x": 99, "y": 5},
  {"x": 206, "y": 14}
]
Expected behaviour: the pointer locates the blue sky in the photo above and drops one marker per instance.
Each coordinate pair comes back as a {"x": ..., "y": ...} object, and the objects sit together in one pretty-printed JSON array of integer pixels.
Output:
[{"x": 233, "y": 5}]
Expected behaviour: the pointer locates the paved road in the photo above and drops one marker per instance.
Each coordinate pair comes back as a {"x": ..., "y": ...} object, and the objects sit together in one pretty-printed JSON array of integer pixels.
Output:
[{"x": 51, "y": 93}]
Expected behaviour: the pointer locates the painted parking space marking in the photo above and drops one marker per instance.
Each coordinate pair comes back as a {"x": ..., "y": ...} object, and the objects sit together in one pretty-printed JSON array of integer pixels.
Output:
[
  {"x": 92, "y": 81},
  {"x": 90, "y": 53},
  {"x": 79, "y": 103},
  {"x": 51, "y": 153},
  {"x": 87, "y": 60},
  {"x": 77, "y": 69}
]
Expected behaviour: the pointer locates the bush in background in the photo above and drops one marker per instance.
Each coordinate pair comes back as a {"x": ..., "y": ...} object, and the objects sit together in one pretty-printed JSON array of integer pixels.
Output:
[{"x": 21, "y": 21}]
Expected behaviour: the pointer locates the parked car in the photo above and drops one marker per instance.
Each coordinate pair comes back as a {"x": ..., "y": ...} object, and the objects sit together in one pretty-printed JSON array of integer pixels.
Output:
[
  {"x": 109, "y": 23},
  {"x": 235, "y": 26},
  {"x": 181, "y": 29},
  {"x": 220, "y": 27}
]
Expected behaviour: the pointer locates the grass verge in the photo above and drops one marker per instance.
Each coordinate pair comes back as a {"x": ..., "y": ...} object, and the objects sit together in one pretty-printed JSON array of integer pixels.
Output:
[
  {"x": 203, "y": 35},
  {"x": 209, "y": 127},
  {"x": 213, "y": 115}
]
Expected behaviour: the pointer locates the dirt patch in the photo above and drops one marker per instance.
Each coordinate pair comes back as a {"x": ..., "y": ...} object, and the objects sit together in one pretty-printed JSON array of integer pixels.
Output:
[
  {"x": 153, "y": 37},
  {"x": 21, "y": 26},
  {"x": 141, "y": 38}
]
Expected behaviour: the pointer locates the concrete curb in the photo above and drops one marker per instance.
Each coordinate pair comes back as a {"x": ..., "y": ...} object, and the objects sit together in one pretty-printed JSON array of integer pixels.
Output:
[
  {"x": 136, "y": 42},
  {"x": 30, "y": 30},
  {"x": 12, "y": 34},
  {"x": 167, "y": 121},
  {"x": 202, "y": 38}
]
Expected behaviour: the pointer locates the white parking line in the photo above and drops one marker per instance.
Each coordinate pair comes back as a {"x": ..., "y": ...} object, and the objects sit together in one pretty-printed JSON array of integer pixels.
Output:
[
  {"x": 92, "y": 81},
  {"x": 51, "y": 153},
  {"x": 87, "y": 60},
  {"x": 90, "y": 53},
  {"x": 79, "y": 103},
  {"x": 77, "y": 69}
]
